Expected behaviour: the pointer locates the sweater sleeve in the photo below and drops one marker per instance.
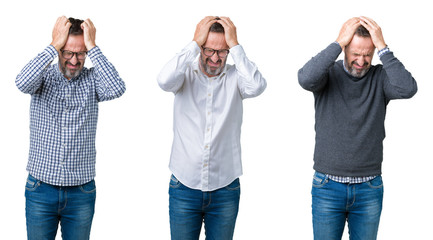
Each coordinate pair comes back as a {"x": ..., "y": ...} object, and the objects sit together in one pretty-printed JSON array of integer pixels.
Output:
[
  {"x": 398, "y": 82},
  {"x": 313, "y": 76}
]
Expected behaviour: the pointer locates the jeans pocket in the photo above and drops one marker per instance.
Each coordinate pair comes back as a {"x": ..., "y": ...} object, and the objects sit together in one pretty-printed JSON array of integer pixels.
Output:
[
  {"x": 233, "y": 186},
  {"x": 376, "y": 182},
  {"x": 319, "y": 179},
  {"x": 89, "y": 187},
  {"x": 32, "y": 183},
  {"x": 174, "y": 183}
]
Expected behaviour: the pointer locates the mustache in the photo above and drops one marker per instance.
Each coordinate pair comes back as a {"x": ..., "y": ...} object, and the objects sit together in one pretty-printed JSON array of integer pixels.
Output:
[
  {"x": 365, "y": 63},
  {"x": 77, "y": 64},
  {"x": 219, "y": 60}
]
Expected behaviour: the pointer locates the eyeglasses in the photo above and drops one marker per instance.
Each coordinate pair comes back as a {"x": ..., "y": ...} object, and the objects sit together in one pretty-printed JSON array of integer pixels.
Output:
[
  {"x": 222, "y": 53},
  {"x": 69, "y": 55}
]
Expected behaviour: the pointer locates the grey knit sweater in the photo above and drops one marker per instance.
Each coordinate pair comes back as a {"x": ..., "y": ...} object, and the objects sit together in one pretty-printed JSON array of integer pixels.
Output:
[{"x": 350, "y": 111}]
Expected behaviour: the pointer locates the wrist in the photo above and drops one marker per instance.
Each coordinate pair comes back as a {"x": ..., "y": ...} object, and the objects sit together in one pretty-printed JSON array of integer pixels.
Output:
[
  {"x": 382, "y": 51},
  {"x": 341, "y": 44},
  {"x": 91, "y": 46},
  {"x": 232, "y": 44},
  {"x": 56, "y": 46},
  {"x": 381, "y": 47}
]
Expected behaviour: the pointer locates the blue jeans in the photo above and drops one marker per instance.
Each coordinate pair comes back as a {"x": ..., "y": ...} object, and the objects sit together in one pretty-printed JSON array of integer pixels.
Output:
[
  {"x": 189, "y": 208},
  {"x": 334, "y": 203},
  {"x": 47, "y": 205}
]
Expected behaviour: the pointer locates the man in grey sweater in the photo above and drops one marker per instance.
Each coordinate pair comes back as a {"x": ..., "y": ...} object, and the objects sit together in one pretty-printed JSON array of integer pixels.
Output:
[{"x": 350, "y": 102}]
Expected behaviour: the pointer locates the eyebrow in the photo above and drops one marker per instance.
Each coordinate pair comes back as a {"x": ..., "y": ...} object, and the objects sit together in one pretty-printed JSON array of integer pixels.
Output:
[{"x": 359, "y": 54}]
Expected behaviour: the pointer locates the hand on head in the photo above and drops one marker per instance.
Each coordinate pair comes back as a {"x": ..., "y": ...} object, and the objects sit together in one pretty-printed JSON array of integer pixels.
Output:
[
  {"x": 89, "y": 32},
  {"x": 375, "y": 32},
  {"x": 229, "y": 31},
  {"x": 202, "y": 30},
  {"x": 350, "y": 26},
  {"x": 61, "y": 33},
  {"x": 347, "y": 31}
]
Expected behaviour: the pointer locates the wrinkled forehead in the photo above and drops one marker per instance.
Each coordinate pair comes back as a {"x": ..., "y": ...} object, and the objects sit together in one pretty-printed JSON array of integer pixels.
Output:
[
  {"x": 361, "y": 45},
  {"x": 216, "y": 41},
  {"x": 75, "y": 43}
]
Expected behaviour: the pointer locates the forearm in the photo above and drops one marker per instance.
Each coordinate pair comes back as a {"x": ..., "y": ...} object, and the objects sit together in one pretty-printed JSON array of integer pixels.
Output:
[
  {"x": 399, "y": 82},
  {"x": 109, "y": 85},
  {"x": 172, "y": 75},
  {"x": 250, "y": 82},
  {"x": 30, "y": 77},
  {"x": 313, "y": 75}
]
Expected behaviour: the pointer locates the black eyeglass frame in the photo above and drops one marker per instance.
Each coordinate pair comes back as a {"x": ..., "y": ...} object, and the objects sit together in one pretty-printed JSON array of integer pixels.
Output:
[
  {"x": 73, "y": 53},
  {"x": 217, "y": 51}
]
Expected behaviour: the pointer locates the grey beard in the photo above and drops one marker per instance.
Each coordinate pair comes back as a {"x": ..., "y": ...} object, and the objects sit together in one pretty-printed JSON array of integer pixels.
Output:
[
  {"x": 68, "y": 73},
  {"x": 208, "y": 70},
  {"x": 361, "y": 74}
]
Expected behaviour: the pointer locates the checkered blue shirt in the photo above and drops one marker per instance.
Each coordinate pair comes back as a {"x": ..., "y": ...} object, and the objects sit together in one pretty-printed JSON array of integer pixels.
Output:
[{"x": 64, "y": 115}]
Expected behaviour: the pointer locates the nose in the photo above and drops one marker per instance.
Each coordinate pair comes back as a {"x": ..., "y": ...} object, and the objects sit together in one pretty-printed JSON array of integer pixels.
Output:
[
  {"x": 74, "y": 59},
  {"x": 361, "y": 61},
  {"x": 215, "y": 57}
]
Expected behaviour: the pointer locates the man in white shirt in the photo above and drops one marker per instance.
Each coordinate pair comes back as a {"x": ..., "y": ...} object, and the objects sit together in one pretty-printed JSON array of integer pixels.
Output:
[{"x": 206, "y": 153}]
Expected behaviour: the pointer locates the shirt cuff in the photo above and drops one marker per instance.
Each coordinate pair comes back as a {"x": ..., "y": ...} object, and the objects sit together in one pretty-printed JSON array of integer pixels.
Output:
[
  {"x": 51, "y": 50},
  {"x": 193, "y": 47},
  {"x": 237, "y": 51},
  {"x": 94, "y": 52},
  {"x": 383, "y": 51}
]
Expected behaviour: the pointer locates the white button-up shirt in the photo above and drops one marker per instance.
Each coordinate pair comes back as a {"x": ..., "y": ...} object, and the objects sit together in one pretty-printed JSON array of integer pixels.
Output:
[{"x": 206, "y": 151}]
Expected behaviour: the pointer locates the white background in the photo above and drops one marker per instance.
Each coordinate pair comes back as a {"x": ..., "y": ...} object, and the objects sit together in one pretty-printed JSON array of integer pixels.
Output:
[{"x": 135, "y": 132}]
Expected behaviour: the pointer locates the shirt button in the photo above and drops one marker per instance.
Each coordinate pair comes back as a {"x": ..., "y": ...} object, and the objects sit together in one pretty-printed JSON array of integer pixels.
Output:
[
  {"x": 206, "y": 147},
  {"x": 209, "y": 94}
]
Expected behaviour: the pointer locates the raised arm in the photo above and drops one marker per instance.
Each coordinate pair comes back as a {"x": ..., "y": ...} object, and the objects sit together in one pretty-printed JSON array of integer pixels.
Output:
[
  {"x": 399, "y": 82},
  {"x": 30, "y": 78},
  {"x": 172, "y": 75},
  {"x": 313, "y": 76},
  {"x": 251, "y": 83},
  {"x": 108, "y": 83}
]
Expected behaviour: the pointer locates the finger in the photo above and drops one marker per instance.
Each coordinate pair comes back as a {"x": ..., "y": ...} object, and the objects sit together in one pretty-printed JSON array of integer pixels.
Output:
[
  {"x": 225, "y": 21},
  {"x": 208, "y": 24},
  {"x": 369, "y": 22},
  {"x": 84, "y": 26},
  {"x": 89, "y": 23},
  {"x": 58, "y": 21},
  {"x": 206, "y": 20},
  {"x": 352, "y": 21},
  {"x": 68, "y": 25}
]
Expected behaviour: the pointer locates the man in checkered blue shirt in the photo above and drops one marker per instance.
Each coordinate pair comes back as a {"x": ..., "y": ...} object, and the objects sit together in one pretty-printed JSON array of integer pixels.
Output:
[{"x": 63, "y": 119}]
